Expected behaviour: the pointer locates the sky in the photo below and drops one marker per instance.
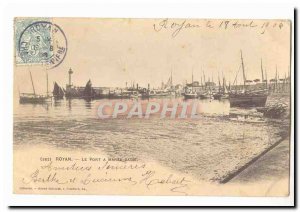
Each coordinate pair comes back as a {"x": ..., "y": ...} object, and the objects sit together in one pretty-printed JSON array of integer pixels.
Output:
[{"x": 112, "y": 52}]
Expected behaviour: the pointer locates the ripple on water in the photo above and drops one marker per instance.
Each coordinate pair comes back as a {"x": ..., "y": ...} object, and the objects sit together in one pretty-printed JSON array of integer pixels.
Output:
[{"x": 208, "y": 148}]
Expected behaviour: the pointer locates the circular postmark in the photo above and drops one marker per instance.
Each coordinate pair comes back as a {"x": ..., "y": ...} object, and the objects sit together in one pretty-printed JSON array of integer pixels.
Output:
[{"x": 43, "y": 43}]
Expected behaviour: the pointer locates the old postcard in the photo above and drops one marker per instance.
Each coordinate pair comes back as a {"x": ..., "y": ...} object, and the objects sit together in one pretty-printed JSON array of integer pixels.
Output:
[{"x": 193, "y": 107}]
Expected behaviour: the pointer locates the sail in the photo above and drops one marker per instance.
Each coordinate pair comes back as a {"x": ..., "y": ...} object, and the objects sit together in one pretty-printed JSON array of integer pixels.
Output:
[
  {"x": 88, "y": 90},
  {"x": 225, "y": 90},
  {"x": 55, "y": 88},
  {"x": 168, "y": 84},
  {"x": 57, "y": 91},
  {"x": 61, "y": 91}
]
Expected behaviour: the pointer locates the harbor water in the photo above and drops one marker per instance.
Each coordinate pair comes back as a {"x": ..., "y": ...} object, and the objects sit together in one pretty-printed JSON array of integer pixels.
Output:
[{"x": 222, "y": 140}]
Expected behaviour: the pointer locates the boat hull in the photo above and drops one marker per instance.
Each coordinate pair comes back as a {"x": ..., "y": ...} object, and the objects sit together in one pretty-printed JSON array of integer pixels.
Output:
[
  {"x": 34, "y": 100},
  {"x": 205, "y": 96},
  {"x": 220, "y": 96},
  {"x": 241, "y": 100},
  {"x": 58, "y": 97},
  {"x": 147, "y": 96},
  {"x": 190, "y": 96}
]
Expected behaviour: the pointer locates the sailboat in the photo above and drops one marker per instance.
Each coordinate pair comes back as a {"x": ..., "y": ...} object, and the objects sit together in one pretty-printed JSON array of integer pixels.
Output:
[
  {"x": 58, "y": 92},
  {"x": 223, "y": 92},
  {"x": 246, "y": 98},
  {"x": 34, "y": 98},
  {"x": 88, "y": 92},
  {"x": 166, "y": 90},
  {"x": 189, "y": 93}
]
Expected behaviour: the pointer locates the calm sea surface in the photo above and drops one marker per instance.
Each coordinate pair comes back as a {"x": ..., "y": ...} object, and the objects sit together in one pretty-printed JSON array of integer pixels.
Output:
[{"x": 208, "y": 148}]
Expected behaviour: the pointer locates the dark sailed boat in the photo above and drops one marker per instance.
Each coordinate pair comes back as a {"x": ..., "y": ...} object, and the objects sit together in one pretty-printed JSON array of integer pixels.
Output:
[
  {"x": 88, "y": 92},
  {"x": 256, "y": 98},
  {"x": 58, "y": 92}
]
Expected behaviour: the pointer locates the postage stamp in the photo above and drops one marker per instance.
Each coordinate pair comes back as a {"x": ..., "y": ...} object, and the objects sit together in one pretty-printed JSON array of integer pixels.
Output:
[{"x": 39, "y": 42}]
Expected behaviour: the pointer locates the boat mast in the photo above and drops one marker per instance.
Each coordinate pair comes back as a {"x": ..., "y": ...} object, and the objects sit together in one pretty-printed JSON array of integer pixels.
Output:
[
  {"x": 289, "y": 78},
  {"x": 225, "y": 86},
  {"x": 262, "y": 71},
  {"x": 172, "y": 77},
  {"x": 192, "y": 77},
  {"x": 284, "y": 83},
  {"x": 219, "y": 82},
  {"x": 266, "y": 78},
  {"x": 32, "y": 83},
  {"x": 204, "y": 79},
  {"x": 244, "y": 76},
  {"x": 289, "y": 73},
  {"x": 276, "y": 76},
  {"x": 235, "y": 79},
  {"x": 192, "y": 80}
]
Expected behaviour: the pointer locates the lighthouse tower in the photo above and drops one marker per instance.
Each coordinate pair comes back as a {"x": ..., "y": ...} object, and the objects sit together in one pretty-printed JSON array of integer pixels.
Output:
[{"x": 70, "y": 76}]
